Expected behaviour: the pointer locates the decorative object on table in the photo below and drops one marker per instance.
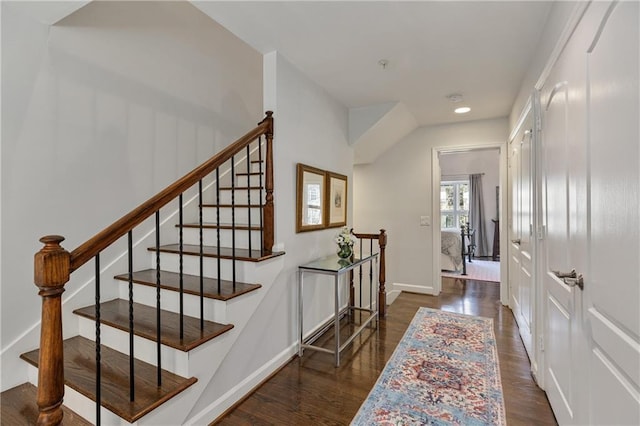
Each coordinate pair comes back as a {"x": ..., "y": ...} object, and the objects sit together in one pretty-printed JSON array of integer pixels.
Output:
[
  {"x": 345, "y": 243},
  {"x": 444, "y": 371},
  {"x": 336, "y": 200}
]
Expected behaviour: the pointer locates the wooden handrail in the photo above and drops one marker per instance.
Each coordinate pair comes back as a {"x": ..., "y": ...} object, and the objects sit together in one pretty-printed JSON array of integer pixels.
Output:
[
  {"x": 107, "y": 236},
  {"x": 382, "y": 276},
  {"x": 53, "y": 265}
]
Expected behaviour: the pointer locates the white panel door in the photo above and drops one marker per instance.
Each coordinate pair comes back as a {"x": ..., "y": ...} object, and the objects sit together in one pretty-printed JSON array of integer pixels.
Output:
[
  {"x": 612, "y": 273},
  {"x": 521, "y": 231},
  {"x": 590, "y": 156}
]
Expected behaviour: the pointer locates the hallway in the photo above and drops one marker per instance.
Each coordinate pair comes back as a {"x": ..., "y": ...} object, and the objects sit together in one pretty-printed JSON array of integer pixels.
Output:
[{"x": 312, "y": 391}]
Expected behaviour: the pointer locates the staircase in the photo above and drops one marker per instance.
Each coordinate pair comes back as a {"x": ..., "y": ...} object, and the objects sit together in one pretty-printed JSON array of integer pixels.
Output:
[{"x": 140, "y": 360}]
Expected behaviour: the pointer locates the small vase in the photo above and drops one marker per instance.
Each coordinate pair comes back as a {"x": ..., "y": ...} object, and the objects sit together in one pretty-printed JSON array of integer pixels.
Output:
[{"x": 344, "y": 251}]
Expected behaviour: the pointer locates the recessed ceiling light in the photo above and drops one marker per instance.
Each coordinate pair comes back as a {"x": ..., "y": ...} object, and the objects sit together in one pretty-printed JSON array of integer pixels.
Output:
[{"x": 462, "y": 110}]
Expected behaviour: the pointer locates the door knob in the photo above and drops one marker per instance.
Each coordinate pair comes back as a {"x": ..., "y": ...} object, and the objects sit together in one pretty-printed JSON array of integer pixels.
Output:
[
  {"x": 570, "y": 274},
  {"x": 571, "y": 278},
  {"x": 516, "y": 241},
  {"x": 575, "y": 282}
]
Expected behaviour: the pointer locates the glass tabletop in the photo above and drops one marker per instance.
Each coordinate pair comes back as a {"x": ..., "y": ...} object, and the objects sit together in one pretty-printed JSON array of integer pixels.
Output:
[{"x": 335, "y": 264}]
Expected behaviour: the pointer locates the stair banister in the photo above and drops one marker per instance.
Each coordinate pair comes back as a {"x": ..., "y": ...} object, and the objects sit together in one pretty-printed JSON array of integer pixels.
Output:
[
  {"x": 382, "y": 274},
  {"x": 106, "y": 237},
  {"x": 53, "y": 264}
]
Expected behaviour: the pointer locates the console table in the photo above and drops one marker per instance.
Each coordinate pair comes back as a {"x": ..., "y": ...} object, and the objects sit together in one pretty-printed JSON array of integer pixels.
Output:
[{"x": 336, "y": 267}]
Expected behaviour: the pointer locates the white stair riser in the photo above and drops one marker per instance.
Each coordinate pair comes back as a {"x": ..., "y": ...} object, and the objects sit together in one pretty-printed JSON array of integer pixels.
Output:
[
  {"x": 241, "y": 196},
  {"x": 214, "y": 310},
  {"x": 245, "y": 271},
  {"x": 254, "y": 180},
  {"x": 173, "y": 360},
  {"x": 210, "y": 237},
  {"x": 241, "y": 214},
  {"x": 83, "y": 406}
]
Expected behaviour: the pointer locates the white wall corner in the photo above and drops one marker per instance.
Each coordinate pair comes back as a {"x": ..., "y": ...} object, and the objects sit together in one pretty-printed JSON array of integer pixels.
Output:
[
  {"x": 48, "y": 12},
  {"x": 269, "y": 85},
  {"x": 373, "y": 130},
  {"x": 361, "y": 119}
]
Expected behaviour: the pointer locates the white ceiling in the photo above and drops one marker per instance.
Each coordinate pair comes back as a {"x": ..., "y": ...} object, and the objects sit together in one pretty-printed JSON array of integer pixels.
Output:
[{"x": 477, "y": 48}]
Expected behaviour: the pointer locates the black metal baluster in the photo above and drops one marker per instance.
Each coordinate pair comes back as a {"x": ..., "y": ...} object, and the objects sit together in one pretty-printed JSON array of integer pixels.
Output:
[
  {"x": 233, "y": 221},
  {"x": 360, "y": 274},
  {"x": 371, "y": 275},
  {"x": 201, "y": 256},
  {"x": 219, "y": 261},
  {"x": 249, "y": 196},
  {"x": 158, "y": 336},
  {"x": 98, "y": 355},
  {"x": 260, "y": 198},
  {"x": 181, "y": 266},
  {"x": 132, "y": 395}
]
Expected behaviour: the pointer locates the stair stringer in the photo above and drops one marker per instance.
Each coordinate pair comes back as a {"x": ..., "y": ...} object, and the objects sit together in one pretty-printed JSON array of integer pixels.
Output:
[{"x": 201, "y": 364}]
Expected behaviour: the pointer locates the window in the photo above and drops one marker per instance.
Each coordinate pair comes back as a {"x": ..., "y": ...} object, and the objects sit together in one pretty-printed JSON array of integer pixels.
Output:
[{"x": 454, "y": 204}]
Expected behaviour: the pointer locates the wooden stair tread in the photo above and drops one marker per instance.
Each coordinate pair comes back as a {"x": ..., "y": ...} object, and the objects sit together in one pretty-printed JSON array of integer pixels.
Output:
[
  {"x": 18, "y": 407},
  {"x": 212, "y": 225},
  {"x": 80, "y": 374},
  {"x": 238, "y": 206},
  {"x": 239, "y": 188},
  {"x": 115, "y": 313},
  {"x": 211, "y": 251},
  {"x": 191, "y": 284}
]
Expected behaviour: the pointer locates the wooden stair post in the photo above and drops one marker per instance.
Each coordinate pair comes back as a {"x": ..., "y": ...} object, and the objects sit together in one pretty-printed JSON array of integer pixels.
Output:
[
  {"x": 268, "y": 240},
  {"x": 52, "y": 267},
  {"x": 382, "y": 292}
]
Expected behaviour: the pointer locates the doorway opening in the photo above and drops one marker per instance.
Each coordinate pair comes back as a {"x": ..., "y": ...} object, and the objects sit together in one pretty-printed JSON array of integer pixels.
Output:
[{"x": 467, "y": 185}]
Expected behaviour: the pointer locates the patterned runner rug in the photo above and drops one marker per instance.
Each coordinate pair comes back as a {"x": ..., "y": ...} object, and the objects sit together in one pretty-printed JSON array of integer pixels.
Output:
[{"x": 444, "y": 371}]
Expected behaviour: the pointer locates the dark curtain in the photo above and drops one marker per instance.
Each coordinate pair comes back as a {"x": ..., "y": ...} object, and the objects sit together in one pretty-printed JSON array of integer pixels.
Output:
[{"x": 476, "y": 215}]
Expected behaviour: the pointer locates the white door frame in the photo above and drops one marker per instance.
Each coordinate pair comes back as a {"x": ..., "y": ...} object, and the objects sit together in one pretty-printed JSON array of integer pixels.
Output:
[{"x": 435, "y": 214}]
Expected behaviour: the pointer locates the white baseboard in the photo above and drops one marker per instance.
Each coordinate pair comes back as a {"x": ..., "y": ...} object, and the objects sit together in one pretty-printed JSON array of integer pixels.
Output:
[
  {"x": 411, "y": 288},
  {"x": 235, "y": 394},
  {"x": 392, "y": 295}
]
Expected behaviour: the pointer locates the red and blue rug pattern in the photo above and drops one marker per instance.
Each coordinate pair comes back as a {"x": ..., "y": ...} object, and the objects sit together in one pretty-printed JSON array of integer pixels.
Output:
[{"x": 444, "y": 371}]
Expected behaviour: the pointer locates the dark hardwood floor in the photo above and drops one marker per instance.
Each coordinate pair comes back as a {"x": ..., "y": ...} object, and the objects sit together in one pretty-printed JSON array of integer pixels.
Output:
[{"x": 312, "y": 391}]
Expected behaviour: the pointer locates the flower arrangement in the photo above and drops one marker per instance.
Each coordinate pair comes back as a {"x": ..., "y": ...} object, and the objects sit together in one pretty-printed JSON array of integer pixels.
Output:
[{"x": 345, "y": 243}]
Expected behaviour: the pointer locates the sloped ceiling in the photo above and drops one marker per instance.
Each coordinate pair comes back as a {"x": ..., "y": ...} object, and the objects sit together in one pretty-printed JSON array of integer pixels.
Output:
[
  {"x": 47, "y": 12},
  {"x": 480, "y": 49}
]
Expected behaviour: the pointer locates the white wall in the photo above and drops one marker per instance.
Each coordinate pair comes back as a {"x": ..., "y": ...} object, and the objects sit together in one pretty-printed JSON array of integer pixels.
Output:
[
  {"x": 478, "y": 161},
  {"x": 310, "y": 128},
  {"x": 101, "y": 111},
  {"x": 558, "y": 15},
  {"x": 395, "y": 190}
]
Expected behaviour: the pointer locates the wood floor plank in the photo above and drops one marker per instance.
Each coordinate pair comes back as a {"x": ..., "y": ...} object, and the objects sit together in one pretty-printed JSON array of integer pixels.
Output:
[
  {"x": 115, "y": 313},
  {"x": 18, "y": 407},
  {"x": 312, "y": 391},
  {"x": 191, "y": 284},
  {"x": 80, "y": 374}
]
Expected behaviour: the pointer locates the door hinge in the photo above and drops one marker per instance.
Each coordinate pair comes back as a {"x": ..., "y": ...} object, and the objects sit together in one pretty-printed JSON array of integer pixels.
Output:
[
  {"x": 541, "y": 343},
  {"x": 541, "y": 232}
]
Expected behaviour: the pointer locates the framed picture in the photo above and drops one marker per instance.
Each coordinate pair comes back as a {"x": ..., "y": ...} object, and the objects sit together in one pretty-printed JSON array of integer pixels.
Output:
[
  {"x": 336, "y": 206},
  {"x": 310, "y": 198}
]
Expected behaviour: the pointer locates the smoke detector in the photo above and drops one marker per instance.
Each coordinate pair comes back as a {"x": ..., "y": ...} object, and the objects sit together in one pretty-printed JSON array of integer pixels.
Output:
[{"x": 455, "y": 97}]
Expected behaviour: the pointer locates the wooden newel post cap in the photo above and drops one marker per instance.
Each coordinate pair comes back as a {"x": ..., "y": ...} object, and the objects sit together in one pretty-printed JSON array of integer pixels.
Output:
[
  {"x": 52, "y": 264},
  {"x": 383, "y": 237}
]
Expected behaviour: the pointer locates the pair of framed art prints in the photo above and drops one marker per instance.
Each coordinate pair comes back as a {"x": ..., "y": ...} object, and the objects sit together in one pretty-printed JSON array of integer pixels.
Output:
[{"x": 321, "y": 199}]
